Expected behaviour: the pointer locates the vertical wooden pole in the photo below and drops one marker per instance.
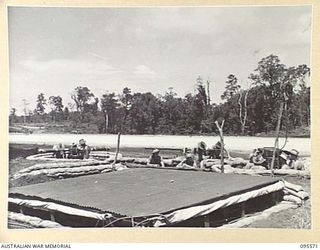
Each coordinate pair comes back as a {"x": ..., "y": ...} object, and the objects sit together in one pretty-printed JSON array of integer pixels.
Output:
[
  {"x": 206, "y": 221},
  {"x": 52, "y": 218},
  {"x": 276, "y": 142},
  {"x": 117, "y": 152},
  {"x": 243, "y": 209},
  {"x": 222, "y": 152},
  {"x": 220, "y": 128}
]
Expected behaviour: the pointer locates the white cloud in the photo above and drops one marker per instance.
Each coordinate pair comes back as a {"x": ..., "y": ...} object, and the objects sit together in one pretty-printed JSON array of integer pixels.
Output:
[
  {"x": 67, "y": 66},
  {"x": 143, "y": 72},
  {"x": 59, "y": 77},
  {"x": 148, "y": 49}
]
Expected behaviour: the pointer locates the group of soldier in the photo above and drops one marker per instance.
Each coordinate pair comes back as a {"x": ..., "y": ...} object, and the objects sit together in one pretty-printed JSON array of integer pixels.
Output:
[
  {"x": 76, "y": 151},
  {"x": 197, "y": 158}
]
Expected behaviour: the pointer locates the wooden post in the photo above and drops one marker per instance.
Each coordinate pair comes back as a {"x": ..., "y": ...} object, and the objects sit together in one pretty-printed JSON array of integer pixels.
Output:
[
  {"x": 276, "y": 142},
  {"x": 52, "y": 218},
  {"x": 220, "y": 128},
  {"x": 117, "y": 152},
  {"x": 243, "y": 209},
  {"x": 206, "y": 220},
  {"x": 275, "y": 198}
]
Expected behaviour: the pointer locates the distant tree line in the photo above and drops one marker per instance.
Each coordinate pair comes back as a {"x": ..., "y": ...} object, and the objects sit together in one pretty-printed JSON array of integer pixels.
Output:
[{"x": 246, "y": 111}]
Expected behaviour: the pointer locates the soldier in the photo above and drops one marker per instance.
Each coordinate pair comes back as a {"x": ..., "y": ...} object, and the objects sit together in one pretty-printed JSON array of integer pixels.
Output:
[
  {"x": 188, "y": 162},
  {"x": 83, "y": 149},
  {"x": 59, "y": 151},
  {"x": 215, "y": 152},
  {"x": 200, "y": 152},
  {"x": 155, "y": 158},
  {"x": 257, "y": 158},
  {"x": 73, "y": 152}
]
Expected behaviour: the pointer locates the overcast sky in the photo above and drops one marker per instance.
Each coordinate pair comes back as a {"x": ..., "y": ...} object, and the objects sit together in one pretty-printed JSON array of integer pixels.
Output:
[{"x": 54, "y": 50}]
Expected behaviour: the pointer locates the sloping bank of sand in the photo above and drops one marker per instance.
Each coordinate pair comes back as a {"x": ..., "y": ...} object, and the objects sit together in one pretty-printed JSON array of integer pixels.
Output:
[{"x": 233, "y": 143}]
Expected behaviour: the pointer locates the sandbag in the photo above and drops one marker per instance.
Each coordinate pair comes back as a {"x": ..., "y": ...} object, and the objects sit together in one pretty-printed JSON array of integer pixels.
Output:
[
  {"x": 236, "y": 162},
  {"x": 73, "y": 174},
  {"x": 141, "y": 161},
  {"x": 293, "y": 199},
  {"x": 127, "y": 159},
  {"x": 257, "y": 168},
  {"x": 228, "y": 169},
  {"x": 49, "y": 156},
  {"x": 65, "y": 171},
  {"x": 303, "y": 173},
  {"x": 216, "y": 168},
  {"x": 33, "y": 221},
  {"x": 285, "y": 167},
  {"x": 303, "y": 195},
  {"x": 53, "y": 165},
  {"x": 168, "y": 162},
  {"x": 106, "y": 171},
  {"x": 294, "y": 187},
  {"x": 249, "y": 165},
  {"x": 286, "y": 191},
  {"x": 119, "y": 167}
]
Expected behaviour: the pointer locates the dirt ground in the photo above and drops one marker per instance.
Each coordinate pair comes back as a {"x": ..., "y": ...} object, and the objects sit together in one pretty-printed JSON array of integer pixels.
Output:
[{"x": 299, "y": 217}]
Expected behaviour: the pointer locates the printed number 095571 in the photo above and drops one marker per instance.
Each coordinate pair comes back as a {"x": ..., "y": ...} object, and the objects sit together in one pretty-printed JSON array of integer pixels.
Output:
[{"x": 308, "y": 246}]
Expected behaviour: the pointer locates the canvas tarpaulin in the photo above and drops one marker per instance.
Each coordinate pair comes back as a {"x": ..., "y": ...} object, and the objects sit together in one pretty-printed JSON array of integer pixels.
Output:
[
  {"x": 142, "y": 192},
  {"x": 187, "y": 213}
]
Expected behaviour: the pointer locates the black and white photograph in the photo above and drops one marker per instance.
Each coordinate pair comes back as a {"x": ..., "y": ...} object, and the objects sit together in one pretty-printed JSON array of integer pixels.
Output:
[{"x": 159, "y": 116}]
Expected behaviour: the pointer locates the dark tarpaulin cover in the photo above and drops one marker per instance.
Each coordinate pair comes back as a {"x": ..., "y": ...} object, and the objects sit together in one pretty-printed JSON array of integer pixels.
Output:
[{"x": 141, "y": 192}]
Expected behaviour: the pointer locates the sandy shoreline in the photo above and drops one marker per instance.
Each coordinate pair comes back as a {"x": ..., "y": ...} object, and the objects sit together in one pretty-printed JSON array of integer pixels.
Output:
[{"x": 233, "y": 143}]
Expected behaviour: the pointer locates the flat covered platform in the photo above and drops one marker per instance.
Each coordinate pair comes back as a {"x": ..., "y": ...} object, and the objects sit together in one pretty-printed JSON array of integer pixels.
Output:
[{"x": 142, "y": 192}]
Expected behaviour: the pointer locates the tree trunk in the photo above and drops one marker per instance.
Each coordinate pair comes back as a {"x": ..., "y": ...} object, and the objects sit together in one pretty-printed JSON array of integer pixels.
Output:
[
  {"x": 106, "y": 124},
  {"x": 208, "y": 92},
  {"x": 243, "y": 109},
  {"x": 242, "y": 129}
]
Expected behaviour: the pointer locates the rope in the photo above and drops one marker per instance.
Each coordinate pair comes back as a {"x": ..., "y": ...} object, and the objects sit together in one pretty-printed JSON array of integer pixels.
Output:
[
  {"x": 119, "y": 219},
  {"x": 131, "y": 218},
  {"x": 155, "y": 218}
]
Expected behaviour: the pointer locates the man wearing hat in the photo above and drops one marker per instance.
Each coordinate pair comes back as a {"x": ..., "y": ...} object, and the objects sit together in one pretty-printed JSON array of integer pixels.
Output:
[
  {"x": 200, "y": 152},
  {"x": 83, "y": 149},
  {"x": 155, "y": 158},
  {"x": 256, "y": 157},
  {"x": 59, "y": 151},
  {"x": 188, "y": 162},
  {"x": 215, "y": 151}
]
